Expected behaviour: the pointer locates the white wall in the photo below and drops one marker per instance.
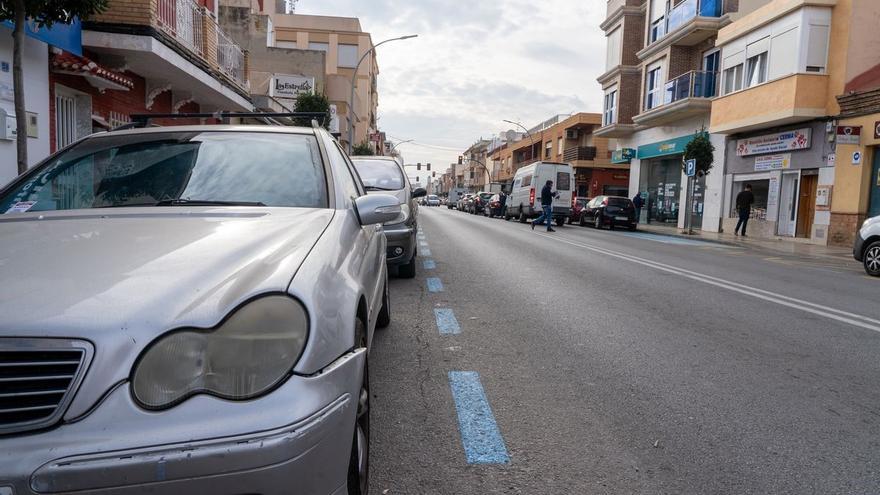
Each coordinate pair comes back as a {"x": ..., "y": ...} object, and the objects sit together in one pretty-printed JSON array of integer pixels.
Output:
[{"x": 36, "y": 77}]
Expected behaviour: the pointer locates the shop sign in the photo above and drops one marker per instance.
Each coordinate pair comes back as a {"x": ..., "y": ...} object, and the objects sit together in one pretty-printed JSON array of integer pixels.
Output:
[
  {"x": 773, "y": 192},
  {"x": 620, "y": 177},
  {"x": 849, "y": 135},
  {"x": 624, "y": 155},
  {"x": 876, "y": 130},
  {"x": 286, "y": 86},
  {"x": 68, "y": 37},
  {"x": 798, "y": 139},
  {"x": 772, "y": 162},
  {"x": 663, "y": 148}
]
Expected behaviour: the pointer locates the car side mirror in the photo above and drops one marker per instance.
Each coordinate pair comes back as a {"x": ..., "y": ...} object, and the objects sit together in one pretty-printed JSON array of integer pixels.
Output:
[
  {"x": 377, "y": 208},
  {"x": 419, "y": 192}
]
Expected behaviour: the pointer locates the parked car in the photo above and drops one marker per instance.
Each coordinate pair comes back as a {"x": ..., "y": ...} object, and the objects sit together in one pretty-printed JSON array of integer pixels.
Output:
[
  {"x": 481, "y": 199},
  {"x": 867, "y": 246},
  {"x": 190, "y": 310},
  {"x": 385, "y": 175},
  {"x": 577, "y": 207},
  {"x": 611, "y": 211},
  {"x": 432, "y": 200},
  {"x": 493, "y": 208},
  {"x": 465, "y": 203},
  {"x": 525, "y": 195}
]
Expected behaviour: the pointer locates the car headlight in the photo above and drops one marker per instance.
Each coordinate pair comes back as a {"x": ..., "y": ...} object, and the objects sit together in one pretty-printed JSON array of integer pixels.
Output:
[
  {"x": 404, "y": 215},
  {"x": 248, "y": 354}
]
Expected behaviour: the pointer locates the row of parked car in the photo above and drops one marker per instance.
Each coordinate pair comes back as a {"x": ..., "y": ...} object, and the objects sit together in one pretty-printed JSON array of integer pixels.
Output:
[{"x": 191, "y": 309}]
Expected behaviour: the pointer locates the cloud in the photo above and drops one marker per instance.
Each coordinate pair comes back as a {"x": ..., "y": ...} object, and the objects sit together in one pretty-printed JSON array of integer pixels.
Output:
[{"x": 477, "y": 63}]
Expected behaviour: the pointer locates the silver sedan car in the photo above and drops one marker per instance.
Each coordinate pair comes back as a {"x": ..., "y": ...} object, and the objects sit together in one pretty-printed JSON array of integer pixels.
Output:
[{"x": 189, "y": 310}]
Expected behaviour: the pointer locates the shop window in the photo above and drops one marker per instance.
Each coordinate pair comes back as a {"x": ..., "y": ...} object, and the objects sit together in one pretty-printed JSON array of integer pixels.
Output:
[{"x": 761, "y": 191}]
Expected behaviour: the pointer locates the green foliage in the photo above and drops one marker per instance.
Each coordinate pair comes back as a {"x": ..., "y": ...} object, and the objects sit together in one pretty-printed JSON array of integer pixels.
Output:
[
  {"x": 363, "y": 149},
  {"x": 701, "y": 150},
  {"x": 311, "y": 102},
  {"x": 48, "y": 12}
]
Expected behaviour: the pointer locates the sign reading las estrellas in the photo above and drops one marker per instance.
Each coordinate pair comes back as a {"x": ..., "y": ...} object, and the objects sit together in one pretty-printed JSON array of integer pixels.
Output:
[{"x": 288, "y": 86}]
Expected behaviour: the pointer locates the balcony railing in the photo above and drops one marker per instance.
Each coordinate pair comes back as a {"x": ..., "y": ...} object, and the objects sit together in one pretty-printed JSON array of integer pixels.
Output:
[
  {"x": 694, "y": 84},
  {"x": 230, "y": 58},
  {"x": 587, "y": 153},
  {"x": 682, "y": 13}
]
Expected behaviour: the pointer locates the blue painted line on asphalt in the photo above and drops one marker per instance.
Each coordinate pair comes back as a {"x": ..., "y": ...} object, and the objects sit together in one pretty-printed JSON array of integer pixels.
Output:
[
  {"x": 435, "y": 285},
  {"x": 446, "y": 322},
  {"x": 425, "y": 253},
  {"x": 423, "y": 245},
  {"x": 430, "y": 265},
  {"x": 480, "y": 436},
  {"x": 665, "y": 239}
]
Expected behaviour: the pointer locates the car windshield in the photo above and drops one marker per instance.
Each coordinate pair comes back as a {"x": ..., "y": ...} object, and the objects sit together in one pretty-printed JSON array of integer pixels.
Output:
[
  {"x": 174, "y": 168},
  {"x": 582, "y": 202},
  {"x": 433, "y": 197},
  {"x": 383, "y": 175},
  {"x": 486, "y": 196}
]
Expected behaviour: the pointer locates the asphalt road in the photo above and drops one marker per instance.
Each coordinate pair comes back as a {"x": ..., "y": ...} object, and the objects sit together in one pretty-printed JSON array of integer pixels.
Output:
[{"x": 619, "y": 363}]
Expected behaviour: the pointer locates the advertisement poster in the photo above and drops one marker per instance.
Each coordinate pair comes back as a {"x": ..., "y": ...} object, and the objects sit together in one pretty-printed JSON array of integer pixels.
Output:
[
  {"x": 798, "y": 139},
  {"x": 772, "y": 162},
  {"x": 773, "y": 192}
]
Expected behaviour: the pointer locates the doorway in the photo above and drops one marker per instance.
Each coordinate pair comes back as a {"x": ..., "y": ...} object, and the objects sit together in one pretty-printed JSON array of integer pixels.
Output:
[
  {"x": 807, "y": 203},
  {"x": 788, "y": 204},
  {"x": 874, "y": 206},
  {"x": 711, "y": 66}
]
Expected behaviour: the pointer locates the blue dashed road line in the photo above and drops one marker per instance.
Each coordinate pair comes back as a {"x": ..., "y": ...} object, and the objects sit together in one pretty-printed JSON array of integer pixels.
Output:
[
  {"x": 425, "y": 253},
  {"x": 446, "y": 322},
  {"x": 480, "y": 436},
  {"x": 430, "y": 264},
  {"x": 434, "y": 284}
]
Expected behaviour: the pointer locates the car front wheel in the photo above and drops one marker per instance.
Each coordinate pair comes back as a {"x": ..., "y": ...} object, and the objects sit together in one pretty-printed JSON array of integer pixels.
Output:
[
  {"x": 359, "y": 459},
  {"x": 597, "y": 222},
  {"x": 408, "y": 270},
  {"x": 872, "y": 259},
  {"x": 583, "y": 220}
]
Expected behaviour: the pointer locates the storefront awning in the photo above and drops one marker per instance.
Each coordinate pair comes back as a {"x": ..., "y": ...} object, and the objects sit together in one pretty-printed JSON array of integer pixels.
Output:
[
  {"x": 674, "y": 146},
  {"x": 97, "y": 76}
]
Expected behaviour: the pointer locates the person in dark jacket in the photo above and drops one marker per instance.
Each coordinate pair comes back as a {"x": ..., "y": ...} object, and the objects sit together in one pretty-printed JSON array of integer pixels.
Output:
[
  {"x": 502, "y": 198},
  {"x": 744, "y": 201},
  {"x": 638, "y": 202},
  {"x": 547, "y": 195}
]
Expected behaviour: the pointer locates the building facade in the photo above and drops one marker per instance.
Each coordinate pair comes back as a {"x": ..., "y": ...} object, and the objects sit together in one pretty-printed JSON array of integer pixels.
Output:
[{"x": 662, "y": 75}]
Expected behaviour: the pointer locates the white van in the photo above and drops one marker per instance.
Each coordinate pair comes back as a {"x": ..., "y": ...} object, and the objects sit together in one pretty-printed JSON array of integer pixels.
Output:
[{"x": 525, "y": 196}]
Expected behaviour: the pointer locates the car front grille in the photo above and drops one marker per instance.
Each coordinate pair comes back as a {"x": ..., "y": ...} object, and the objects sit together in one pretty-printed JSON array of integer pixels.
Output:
[{"x": 37, "y": 380}]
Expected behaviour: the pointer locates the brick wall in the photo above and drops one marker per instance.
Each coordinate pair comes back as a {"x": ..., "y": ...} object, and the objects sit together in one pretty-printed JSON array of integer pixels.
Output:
[
  {"x": 843, "y": 228},
  {"x": 138, "y": 12},
  {"x": 629, "y": 97},
  {"x": 633, "y": 38}
]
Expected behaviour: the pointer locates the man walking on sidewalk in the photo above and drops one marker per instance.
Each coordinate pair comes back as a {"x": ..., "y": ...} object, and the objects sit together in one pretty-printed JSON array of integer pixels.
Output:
[
  {"x": 744, "y": 202},
  {"x": 547, "y": 195}
]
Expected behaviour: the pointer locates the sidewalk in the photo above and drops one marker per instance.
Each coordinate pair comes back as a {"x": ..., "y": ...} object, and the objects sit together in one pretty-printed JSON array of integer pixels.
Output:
[{"x": 778, "y": 245}]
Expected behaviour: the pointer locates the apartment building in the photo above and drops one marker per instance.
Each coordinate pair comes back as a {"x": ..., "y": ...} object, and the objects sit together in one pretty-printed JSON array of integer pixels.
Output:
[
  {"x": 477, "y": 171},
  {"x": 662, "y": 75},
  {"x": 787, "y": 70},
  {"x": 345, "y": 43},
  {"x": 569, "y": 139}
]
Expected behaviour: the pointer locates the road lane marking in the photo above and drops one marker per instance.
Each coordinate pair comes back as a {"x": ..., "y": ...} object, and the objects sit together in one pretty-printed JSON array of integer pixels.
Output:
[
  {"x": 480, "y": 435},
  {"x": 423, "y": 245},
  {"x": 425, "y": 253},
  {"x": 434, "y": 284},
  {"x": 430, "y": 264},
  {"x": 665, "y": 239},
  {"x": 446, "y": 322},
  {"x": 782, "y": 300}
]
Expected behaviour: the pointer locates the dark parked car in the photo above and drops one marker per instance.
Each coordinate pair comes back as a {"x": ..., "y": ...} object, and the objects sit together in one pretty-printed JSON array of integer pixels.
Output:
[
  {"x": 481, "y": 200},
  {"x": 611, "y": 211},
  {"x": 493, "y": 208},
  {"x": 576, "y": 208}
]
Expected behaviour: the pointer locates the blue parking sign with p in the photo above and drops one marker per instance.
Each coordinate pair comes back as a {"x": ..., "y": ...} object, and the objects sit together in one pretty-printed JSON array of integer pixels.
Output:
[{"x": 690, "y": 168}]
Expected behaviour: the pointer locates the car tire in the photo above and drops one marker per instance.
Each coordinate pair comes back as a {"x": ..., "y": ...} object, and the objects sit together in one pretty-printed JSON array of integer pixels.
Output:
[
  {"x": 568, "y": 220},
  {"x": 560, "y": 221},
  {"x": 408, "y": 270},
  {"x": 522, "y": 217},
  {"x": 597, "y": 221},
  {"x": 583, "y": 220},
  {"x": 359, "y": 458},
  {"x": 384, "y": 318},
  {"x": 871, "y": 259}
]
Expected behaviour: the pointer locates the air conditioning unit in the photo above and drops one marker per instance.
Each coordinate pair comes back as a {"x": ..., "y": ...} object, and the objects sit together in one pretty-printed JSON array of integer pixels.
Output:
[{"x": 571, "y": 134}]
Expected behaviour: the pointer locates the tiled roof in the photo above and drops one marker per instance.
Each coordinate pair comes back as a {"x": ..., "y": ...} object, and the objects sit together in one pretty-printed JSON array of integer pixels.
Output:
[{"x": 69, "y": 62}]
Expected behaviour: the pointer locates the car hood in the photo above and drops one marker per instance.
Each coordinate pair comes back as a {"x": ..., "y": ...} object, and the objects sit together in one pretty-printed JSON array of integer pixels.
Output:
[{"x": 135, "y": 273}]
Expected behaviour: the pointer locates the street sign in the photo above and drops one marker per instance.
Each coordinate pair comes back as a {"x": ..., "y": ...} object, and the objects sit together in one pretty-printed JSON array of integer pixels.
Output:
[
  {"x": 849, "y": 134},
  {"x": 690, "y": 168},
  {"x": 857, "y": 158}
]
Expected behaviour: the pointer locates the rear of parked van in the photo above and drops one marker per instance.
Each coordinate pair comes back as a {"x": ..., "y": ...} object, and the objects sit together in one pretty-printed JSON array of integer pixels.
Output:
[{"x": 525, "y": 197}]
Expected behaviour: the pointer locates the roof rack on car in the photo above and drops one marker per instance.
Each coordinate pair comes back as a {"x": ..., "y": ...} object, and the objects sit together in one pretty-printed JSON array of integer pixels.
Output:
[{"x": 143, "y": 120}]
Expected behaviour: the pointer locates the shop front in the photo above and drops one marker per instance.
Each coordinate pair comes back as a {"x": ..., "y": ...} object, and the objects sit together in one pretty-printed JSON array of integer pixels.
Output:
[
  {"x": 791, "y": 177},
  {"x": 662, "y": 184},
  {"x": 592, "y": 182}
]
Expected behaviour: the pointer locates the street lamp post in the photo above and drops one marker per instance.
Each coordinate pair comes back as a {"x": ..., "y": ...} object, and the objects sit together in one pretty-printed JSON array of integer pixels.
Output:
[
  {"x": 395, "y": 145},
  {"x": 354, "y": 82}
]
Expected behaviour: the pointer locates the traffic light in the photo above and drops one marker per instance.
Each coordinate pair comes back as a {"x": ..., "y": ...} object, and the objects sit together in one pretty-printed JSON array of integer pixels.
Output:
[
  {"x": 429, "y": 167},
  {"x": 460, "y": 159},
  {"x": 433, "y": 174},
  {"x": 419, "y": 166}
]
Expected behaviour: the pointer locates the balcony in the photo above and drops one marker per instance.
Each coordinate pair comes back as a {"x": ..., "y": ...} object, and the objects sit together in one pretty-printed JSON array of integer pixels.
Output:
[
  {"x": 687, "y": 24},
  {"x": 685, "y": 96},
  {"x": 787, "y": 100},
  {"x": 585, "y": 153}
]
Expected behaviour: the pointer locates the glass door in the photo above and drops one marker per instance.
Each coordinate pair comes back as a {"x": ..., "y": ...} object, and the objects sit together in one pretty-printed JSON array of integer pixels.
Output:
[
  {"x": 788, "y": 204},
  {"x": 874, "y": 207},
  {"x": 711, "y": 66}
]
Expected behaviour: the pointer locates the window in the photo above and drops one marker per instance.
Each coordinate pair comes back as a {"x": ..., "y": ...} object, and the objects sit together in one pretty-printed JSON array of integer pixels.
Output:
[
  {"x": 733, "y": 78},
  {"x": 383, "y": 175},
  {"x": 658, "y": 19},
  {"x": 350, "y": 181},
  {"x": 756, "y": 70},
  {"x": 323, "y": 47},
  {"x": 548, "y": 149},
  {"x": 563, "y": 181},
  {"x": 561, "y": 146},
  {"x": 527, "y": 180},
  {"x": 348, "y": 56},
  {"x": 817, "y": 48},
  {"x": 65, "y": 120},
  {"x": 610, "y": 115},
  {"x": 654, "y": 87},
  {"x": 784, "y": 47},
  {"x": 613, "y": 49}
]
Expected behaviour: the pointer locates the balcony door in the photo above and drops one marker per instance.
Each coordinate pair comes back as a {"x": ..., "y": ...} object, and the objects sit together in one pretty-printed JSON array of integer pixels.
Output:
[{"x": 711, "y": 67}]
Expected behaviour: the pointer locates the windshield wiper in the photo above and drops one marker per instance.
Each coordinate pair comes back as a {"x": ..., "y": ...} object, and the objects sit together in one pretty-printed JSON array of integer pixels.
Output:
[
  {"x": 206, "y": 202},
  {"x": 377, "y": 188}
]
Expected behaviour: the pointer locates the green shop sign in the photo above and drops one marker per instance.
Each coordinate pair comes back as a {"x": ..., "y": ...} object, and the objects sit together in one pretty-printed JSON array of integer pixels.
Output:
[
  {"x": 664, "y": 148},
  {"x": 624, "y": 155}
]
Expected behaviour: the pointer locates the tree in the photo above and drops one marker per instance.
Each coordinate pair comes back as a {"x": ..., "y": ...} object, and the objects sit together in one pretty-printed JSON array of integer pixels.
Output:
[
  {"x": 313, "y": 103},
  {"x": 702, "y": 150},
  {"x": 41, "y": 13},
  {"x": 363, "y": 149}
]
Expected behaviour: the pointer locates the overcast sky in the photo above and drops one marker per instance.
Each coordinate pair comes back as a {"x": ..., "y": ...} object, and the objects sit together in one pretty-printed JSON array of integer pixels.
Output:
[{"x": 476, "y": 63}]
